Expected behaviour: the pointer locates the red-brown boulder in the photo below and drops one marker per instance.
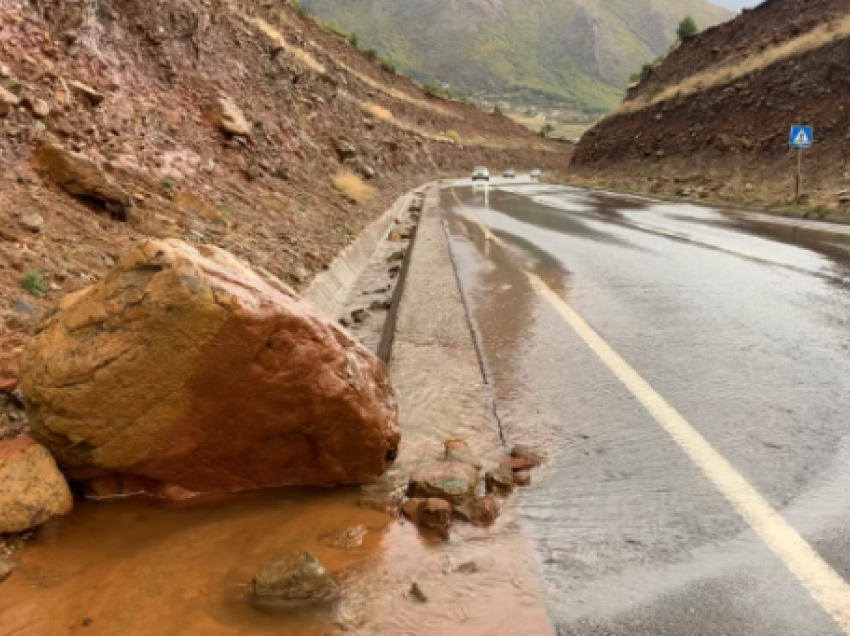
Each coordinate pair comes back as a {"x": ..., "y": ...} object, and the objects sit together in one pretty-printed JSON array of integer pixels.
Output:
[{"x": 185, "y": 367}]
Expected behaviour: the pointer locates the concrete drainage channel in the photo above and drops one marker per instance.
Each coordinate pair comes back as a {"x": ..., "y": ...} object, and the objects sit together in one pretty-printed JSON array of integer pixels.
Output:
[{"x": 363, "y": 286}]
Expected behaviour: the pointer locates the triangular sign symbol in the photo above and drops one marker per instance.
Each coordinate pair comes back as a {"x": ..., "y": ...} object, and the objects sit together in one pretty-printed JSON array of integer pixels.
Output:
[{"x": 802, "y": 138}]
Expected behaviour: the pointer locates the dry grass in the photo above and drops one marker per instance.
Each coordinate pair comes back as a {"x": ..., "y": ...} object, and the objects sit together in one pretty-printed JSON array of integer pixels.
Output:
[
  {"x": 815, "y": 39},
  {"x": 454, "y": 137},
  {"x": 378, "y": 111},
  {"x": 271, "y": 32},
  {"x": 353, "y": 187}
]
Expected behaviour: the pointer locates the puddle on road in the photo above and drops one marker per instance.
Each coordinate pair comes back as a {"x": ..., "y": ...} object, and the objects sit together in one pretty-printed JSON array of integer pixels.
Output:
[{"x": 135, "y": 567}]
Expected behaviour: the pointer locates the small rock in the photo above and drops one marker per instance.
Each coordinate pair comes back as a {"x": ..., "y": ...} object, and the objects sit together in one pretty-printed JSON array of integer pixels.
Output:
[
  {"x": 33, "y": 222},
  {"x": 8, "y": 102},
  {"x": 522, "y": 478},
  {"x": 81, "y": 176},
  {"x": 432, "y": 513},
  {"x": 32, "y": 490},
  {"x": 417, "y": 594},
  {"x": 8, "y": 385},
  {"x": 396, "y": 257},
  {"x": 518, "y": 464},
  {"x": 451, "y": 481},
  {"x": 359, "y": 315},
  {"x": 395, "y": 237},
  {"x": 296, "y": 576},
  {"x": 229, "y": 119},
  {"x": 500, "y": 481},
  {"x": 345, "y": 150},
  {"x": 346, "y": 538},
  {"x": 86, "y": 92},
  {"x": 459, "y": 451},
  {"x": 6, "y": 569},
  {"x": 23, "y": 308},
  {"x": 521, "y": 451},
  {"x": 470, "y": 567},
  {"x": 481, "y": 511},
  {"x": 39, "y": 107}
]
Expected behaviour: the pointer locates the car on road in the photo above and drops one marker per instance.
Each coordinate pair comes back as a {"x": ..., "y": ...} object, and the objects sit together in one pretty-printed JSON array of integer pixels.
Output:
[
  {"x": 536, "y": 174},
  {"x": 481, "y": 174},
  {"x": 509, "y": 174}
]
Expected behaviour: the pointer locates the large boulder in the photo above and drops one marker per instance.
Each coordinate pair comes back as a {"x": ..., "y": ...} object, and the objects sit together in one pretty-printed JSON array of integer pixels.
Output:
[
  {"x": 184, "y": 367},
  {"x": 32, "y": 490}
]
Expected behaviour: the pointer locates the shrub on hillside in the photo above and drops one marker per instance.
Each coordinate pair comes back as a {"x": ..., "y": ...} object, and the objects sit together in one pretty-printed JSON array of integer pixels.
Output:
[
  {"x": 34, "y": 284},
  {"x": 546, "y": 130},
  {"x": 687, "y": 29},
  {"x": 387, "y": 65},
  {"x": 454, "y": 136}
]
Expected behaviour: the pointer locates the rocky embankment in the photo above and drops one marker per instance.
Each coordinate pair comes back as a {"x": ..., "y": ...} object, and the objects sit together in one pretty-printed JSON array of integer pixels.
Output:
[
  {"x": 223, "y": 153},
  {"x": 712, "y": 120}
]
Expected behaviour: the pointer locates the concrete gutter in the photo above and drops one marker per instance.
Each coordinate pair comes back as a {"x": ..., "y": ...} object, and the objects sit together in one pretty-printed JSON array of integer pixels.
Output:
[{"x": 329, "y": 290}]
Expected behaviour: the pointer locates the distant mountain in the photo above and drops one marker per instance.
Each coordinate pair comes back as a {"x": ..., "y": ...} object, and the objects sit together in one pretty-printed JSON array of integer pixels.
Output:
[{"x": 568, "y": 54}]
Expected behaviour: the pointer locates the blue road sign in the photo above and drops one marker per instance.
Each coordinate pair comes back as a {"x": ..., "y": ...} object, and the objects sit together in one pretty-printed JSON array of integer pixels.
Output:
[{"x": 802, "y": 136}]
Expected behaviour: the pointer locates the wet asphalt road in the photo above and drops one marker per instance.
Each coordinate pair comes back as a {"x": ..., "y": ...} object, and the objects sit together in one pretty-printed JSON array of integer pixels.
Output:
[{"x": 741, "y": 325}]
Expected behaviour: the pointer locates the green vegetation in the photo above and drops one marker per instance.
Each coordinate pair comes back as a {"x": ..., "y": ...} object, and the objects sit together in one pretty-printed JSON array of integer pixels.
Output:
[
  {"x": 371, "y": 54},
  {"x": 454, "y": 136},
  {"x": 34, "y": 284},
  {"x": 437, "y": 91},
  {"x": 643, "y": 74},
  {"x": 687, "y": 29},
  {"x": 546, "y": 130},
  {"x": 387, "y": 65},
  {"x": 335, "y": 30},
  {"x": 529, "y": 52},
  {"x": 353, "y": 40},
  {"x": 296, "y": 4}
]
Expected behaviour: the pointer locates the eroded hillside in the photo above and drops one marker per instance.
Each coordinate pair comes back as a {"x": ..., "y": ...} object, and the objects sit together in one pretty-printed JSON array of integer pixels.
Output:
[
  {"x": 714, "y": 118},
  {"x": 242, "y": 125}
]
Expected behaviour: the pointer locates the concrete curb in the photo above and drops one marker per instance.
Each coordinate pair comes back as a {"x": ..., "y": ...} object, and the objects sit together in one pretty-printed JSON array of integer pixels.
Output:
[{"x": 329, "y": 289}]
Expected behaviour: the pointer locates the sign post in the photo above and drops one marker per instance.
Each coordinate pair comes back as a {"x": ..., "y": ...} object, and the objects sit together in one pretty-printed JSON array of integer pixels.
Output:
[{"x": 801, "y": 137}]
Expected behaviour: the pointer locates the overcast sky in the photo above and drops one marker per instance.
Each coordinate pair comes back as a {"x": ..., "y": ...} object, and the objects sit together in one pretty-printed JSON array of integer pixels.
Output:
[{"x": 737, "y": 4}]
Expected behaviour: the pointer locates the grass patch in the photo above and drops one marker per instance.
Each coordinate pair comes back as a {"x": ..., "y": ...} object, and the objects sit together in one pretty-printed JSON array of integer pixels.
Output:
[
  {"x": 352, "y": 187},
  {"x": 33, "y": 283},
  {"x": 379, "y": 111},
  {"x": 436, "y": 91},
  {"x": 275, "y": 36}
]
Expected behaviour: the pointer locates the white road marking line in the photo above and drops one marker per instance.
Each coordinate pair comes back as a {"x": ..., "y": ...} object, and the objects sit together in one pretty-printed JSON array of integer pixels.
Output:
[{"x": 822, "y": 582}]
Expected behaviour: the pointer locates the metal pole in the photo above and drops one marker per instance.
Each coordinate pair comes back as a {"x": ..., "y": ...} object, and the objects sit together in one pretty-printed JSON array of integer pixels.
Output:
[{"x": 799, "y": 175}]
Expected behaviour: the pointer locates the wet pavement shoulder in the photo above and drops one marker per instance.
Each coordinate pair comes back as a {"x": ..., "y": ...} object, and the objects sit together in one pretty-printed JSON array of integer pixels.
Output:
[{"x": 443, "y": 395}]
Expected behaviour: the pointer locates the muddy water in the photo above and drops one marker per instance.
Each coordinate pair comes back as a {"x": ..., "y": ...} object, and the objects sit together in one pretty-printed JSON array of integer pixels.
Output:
[{"x": 135, "y": 568}]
